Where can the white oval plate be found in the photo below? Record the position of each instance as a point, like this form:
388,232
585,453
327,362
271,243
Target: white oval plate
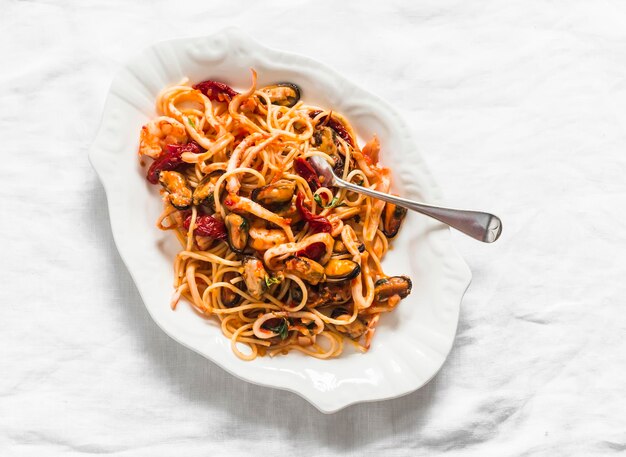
411,343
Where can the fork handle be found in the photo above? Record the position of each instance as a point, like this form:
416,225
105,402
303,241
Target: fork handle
481,226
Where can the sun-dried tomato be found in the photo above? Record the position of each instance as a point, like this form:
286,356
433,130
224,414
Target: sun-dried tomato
216,90
171,159
313,251
316,222
304,169
207,226
335,125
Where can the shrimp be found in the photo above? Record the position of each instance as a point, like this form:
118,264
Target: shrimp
159,132
371,150
263,239
367,159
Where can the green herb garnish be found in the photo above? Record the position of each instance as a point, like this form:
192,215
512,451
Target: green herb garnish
333,204
271,280
282,329
193,124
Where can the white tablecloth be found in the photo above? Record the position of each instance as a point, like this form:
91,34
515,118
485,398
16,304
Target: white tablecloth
519,107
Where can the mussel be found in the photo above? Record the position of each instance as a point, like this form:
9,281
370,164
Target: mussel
335,293
306,269
204,191
262,239
295,293
287,210
339,247
353,329
278,193
386,288
339,166
179,193
283,94
392,219
237,229
325,139
338,312
230,298
254,275
341,270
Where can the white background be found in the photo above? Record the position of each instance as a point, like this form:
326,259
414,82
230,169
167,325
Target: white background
519,107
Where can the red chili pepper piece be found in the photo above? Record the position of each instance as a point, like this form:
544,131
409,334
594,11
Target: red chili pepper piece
192,146
317,223
216,90
313,251
335,125
304,169
207,226
170,159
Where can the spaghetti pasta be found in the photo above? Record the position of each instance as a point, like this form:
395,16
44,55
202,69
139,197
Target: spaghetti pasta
281,260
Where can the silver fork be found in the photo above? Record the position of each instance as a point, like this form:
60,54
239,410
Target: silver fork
482,226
